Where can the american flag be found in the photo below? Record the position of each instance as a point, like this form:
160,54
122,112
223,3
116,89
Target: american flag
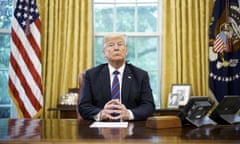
220,43
25,69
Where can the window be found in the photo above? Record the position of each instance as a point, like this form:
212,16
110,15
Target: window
7,108
141,21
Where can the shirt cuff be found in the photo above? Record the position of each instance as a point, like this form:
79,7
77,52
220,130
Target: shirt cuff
97,117
131,115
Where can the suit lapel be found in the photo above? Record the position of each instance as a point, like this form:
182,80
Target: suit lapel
126,84
105,79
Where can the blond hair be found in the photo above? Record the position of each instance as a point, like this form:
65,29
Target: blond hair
111,36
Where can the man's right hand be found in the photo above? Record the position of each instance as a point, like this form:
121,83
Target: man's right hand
114,107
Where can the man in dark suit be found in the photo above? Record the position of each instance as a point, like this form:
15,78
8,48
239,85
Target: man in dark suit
135,101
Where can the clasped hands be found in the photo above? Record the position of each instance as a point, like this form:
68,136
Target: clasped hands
114,110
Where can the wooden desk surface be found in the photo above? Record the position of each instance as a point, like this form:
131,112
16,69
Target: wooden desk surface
65,131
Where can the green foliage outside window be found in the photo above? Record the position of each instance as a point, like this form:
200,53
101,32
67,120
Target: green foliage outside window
6,11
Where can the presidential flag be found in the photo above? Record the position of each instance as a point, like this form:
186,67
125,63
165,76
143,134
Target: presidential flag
224,49
25,69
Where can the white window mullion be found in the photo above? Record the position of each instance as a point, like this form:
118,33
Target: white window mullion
115,17
136,19
5,31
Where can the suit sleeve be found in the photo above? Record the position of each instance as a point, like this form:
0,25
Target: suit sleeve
86,109
145,104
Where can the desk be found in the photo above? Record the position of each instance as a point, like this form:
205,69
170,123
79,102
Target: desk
65,131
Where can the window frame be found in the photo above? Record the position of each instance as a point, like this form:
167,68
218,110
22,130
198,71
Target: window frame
158,33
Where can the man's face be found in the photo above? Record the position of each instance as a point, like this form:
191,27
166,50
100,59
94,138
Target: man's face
115,50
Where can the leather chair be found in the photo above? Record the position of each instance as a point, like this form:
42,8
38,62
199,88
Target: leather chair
80,82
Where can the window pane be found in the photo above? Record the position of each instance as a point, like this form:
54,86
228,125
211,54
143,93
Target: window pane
5,112
4,98
125,18
142,51
7,109
131,50
147,54
6,8
154,81
98,51
147,18
103,17
4,50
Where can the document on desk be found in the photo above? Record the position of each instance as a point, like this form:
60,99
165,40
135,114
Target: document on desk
109,125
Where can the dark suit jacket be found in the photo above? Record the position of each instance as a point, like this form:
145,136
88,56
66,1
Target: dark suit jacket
136,92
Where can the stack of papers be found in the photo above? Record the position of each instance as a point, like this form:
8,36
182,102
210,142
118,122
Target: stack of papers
109,125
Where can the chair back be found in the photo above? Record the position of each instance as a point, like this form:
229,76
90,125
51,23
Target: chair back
80,83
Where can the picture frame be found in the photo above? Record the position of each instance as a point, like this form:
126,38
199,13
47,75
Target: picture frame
173,100
183,91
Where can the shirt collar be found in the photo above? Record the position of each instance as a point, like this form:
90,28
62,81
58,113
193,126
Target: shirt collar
120,70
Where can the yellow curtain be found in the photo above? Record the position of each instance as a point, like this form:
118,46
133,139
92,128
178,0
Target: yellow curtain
185,45
66,46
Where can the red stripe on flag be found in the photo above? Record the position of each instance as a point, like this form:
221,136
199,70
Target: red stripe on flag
34,46
27,60
18,99
25,84
32,40
38,24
